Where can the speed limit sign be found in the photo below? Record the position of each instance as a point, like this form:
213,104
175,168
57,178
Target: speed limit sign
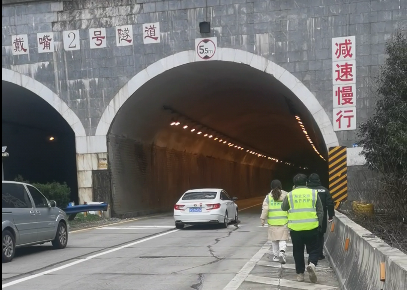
206,49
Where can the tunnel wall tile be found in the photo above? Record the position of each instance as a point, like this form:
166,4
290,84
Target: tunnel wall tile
148,178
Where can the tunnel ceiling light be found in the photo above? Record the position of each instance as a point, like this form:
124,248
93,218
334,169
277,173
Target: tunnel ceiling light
308,138
205,132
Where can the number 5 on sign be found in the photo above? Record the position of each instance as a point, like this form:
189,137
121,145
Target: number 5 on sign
71,40
206,49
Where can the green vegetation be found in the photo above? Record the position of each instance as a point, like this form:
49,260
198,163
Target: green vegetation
384,135
60,192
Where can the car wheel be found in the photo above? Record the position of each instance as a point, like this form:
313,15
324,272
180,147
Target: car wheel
61,238
179,226
9,246
225,221
236,220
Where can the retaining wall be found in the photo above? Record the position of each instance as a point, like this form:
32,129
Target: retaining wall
358,267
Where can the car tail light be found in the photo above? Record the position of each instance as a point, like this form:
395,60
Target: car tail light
178,206
213,206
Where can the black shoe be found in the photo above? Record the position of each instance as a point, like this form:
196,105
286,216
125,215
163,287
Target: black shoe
321,257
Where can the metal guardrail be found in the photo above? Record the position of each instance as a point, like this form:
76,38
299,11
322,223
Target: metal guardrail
73,210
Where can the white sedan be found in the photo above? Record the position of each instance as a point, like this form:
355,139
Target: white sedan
205,206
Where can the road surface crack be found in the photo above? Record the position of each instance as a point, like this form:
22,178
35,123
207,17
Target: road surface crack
212,252
199,285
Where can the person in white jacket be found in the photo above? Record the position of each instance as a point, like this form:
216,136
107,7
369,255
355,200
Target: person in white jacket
277,221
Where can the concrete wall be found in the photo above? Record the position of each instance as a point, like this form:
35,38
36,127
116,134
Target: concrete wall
148,179
359,266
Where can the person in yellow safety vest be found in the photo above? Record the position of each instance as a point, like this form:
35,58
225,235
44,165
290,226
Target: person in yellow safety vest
277,221
305,215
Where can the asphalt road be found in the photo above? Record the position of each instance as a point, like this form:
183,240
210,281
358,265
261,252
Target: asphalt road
144,254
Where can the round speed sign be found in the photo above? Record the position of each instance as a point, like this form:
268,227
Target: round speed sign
206,49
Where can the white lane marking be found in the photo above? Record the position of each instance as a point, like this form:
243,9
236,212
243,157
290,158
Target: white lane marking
247,268
288,283
83,260
125,228
168,227
136,228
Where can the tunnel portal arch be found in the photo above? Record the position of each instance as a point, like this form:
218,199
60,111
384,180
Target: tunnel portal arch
227,55
134,155
47,95
19,92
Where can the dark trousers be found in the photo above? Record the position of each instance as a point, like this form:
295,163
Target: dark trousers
321,244
302,239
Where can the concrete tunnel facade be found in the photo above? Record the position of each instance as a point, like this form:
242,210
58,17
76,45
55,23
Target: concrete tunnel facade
274,63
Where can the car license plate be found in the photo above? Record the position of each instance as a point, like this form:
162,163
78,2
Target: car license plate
195,209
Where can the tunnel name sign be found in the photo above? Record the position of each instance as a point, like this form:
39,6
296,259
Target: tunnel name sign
206,49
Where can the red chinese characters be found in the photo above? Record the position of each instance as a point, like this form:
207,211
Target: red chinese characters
345,119
20,44
45,42
344,83
344,72
97,37
344,95
151,33
344,49
124,35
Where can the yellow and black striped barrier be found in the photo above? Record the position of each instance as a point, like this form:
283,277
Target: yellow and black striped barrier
338,169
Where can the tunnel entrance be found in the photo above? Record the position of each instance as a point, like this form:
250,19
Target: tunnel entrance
213,124
40,142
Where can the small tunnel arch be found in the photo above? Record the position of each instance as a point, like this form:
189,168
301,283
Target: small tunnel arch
39,131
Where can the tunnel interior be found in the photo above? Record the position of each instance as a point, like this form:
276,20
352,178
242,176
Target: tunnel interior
209,125
40,143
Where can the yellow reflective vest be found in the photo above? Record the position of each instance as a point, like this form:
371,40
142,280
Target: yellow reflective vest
276,217
302,215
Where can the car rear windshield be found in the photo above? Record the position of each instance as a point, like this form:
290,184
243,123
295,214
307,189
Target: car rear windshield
199,195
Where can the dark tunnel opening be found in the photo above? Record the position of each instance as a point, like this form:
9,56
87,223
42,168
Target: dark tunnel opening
213,124
40,143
